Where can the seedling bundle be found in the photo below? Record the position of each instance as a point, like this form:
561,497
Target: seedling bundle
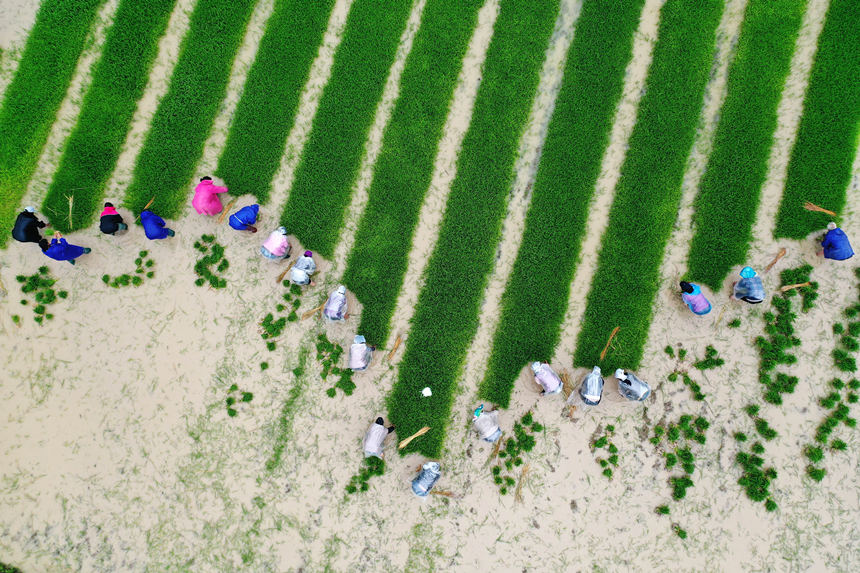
605,442
236,397
144,267
39,286
213,255
371,466
511,456
329,354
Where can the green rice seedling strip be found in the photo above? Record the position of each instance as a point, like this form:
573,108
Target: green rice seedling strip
730,189
820,166
332,156
270,100
184,117
649,190
569,167
404,168
446,315
118,82
32,99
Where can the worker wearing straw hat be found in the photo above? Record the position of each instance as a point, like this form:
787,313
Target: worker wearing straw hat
835,244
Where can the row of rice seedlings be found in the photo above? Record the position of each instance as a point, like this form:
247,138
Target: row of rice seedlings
570,164
710,361
332,156
604,442
213,255
511,456
755,477
636,235
118,82
729,192
446,315
370,467
329,353
32,99
235,397
144,267
404,168
283,430
270,98
40,286
821,160
272,327
675,441
174,143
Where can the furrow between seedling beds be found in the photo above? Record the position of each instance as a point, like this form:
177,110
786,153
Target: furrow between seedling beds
446,312
729,194
31,101
269,103
821,161
569,167
118,82
648,193
184,117
332,156
378,260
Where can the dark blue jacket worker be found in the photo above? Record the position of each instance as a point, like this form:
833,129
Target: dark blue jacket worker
154,226
835,244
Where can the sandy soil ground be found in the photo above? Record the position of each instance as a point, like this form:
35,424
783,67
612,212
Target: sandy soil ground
119,454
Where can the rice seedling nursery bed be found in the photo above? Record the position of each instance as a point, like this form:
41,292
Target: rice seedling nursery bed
726,205
404,167
627,276
332,156
822,157
31,101
118,82
270,98
570,163
446,312
184,117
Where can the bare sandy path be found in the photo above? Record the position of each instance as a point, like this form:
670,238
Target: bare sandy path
16,19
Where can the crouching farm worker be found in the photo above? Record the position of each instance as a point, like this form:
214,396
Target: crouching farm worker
61,250
426,479
547,378
375,436
276,246
749,288
835,244
27,225
591,390
487,424
244,218
360,354
692,296
206,201
336,306
110,221
301,272
631,387
154,226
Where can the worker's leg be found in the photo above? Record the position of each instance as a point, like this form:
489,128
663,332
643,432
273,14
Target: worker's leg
390,429
380,421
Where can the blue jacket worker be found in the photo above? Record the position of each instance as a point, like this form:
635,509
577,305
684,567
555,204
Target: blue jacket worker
154,226
835,244
244,218
61,250
749,288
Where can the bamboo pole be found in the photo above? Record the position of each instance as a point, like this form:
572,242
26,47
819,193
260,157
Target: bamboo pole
396,346
225,211
496,447
313,311
420,432
286,270
813,207
779,255
151,201
566,385
787,288
611,336
445,493
518,495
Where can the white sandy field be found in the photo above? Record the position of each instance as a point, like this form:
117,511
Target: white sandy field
118,453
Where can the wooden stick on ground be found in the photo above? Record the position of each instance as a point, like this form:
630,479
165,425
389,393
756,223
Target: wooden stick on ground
313,311
420,432
394,349
286,270
566,386
611,336
720,317
226,211
445,493
518,495
495,451
813,207
151,201
71,199
779,255
787,288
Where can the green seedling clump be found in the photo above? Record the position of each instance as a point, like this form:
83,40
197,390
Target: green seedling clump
371,466
734,323
827,135
182,122
143,268
654,166
234,398
40,285
329,353
604,442
119,79
447,309
511,455
710,361
213,255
